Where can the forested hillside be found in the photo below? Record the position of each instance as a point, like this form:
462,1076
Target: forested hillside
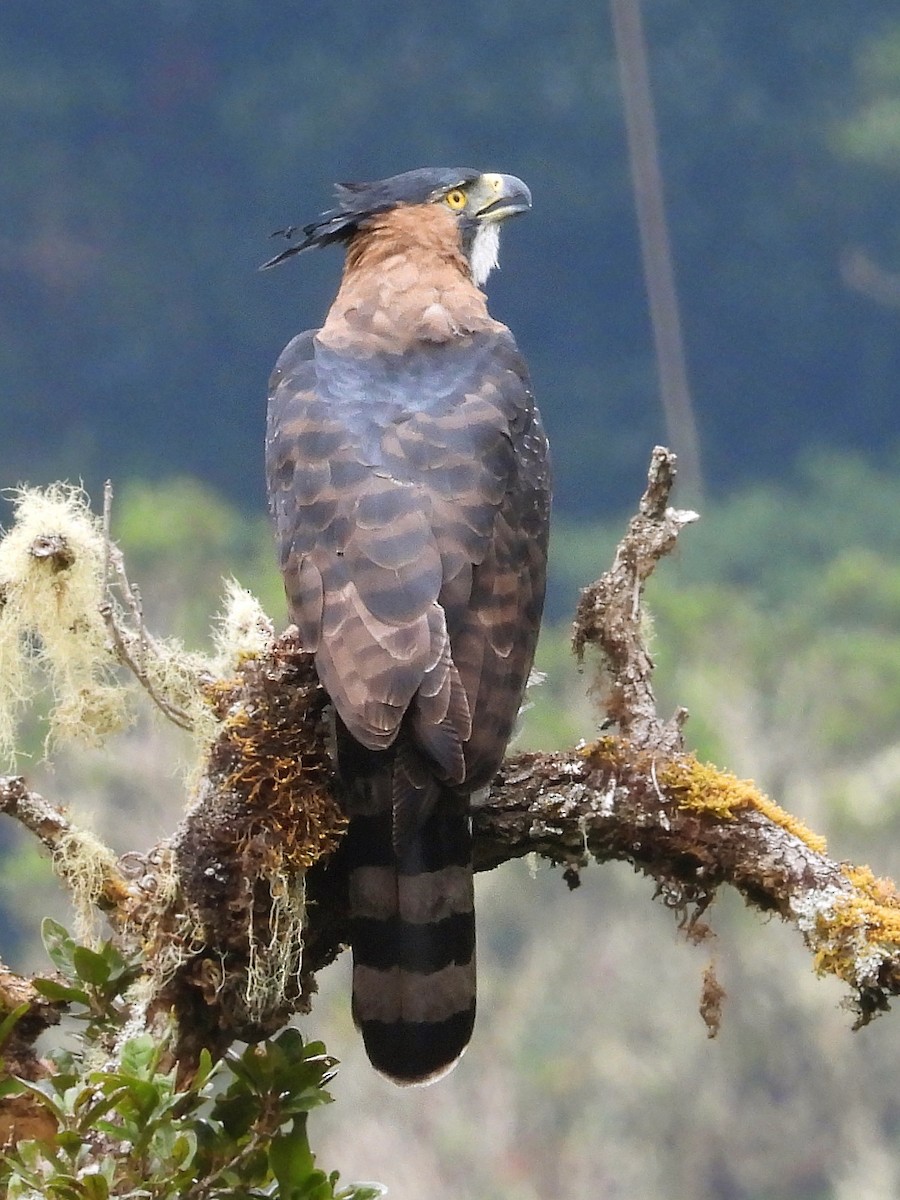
147,151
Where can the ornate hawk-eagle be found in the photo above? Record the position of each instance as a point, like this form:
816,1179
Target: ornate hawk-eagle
408,479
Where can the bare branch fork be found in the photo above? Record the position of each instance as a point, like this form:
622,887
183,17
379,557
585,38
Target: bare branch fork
245,902
127,631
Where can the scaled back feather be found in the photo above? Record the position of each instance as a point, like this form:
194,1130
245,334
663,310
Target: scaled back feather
409,484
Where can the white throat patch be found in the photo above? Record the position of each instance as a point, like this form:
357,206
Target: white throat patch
485,251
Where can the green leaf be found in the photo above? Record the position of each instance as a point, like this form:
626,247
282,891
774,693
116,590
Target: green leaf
290,1041
205,1066
90,966
94,1187
291,1159
10,1020
317,1187
237,1112
120,970
184,1148
59,944
247,1068
52,989
92,1112
44,1098
304,1101
68,1140
361,1191
138,1095
30,1156
139,1056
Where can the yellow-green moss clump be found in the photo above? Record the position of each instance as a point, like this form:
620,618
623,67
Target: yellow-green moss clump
61,625
88,867
52,588
706,788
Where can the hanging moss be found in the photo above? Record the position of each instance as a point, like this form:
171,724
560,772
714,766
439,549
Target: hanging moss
52,576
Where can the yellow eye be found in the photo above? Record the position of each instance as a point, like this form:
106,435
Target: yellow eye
456,199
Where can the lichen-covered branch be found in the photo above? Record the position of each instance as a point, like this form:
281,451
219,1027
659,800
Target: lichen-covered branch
265,812
131,644
693,829
246,901
82,861
610,613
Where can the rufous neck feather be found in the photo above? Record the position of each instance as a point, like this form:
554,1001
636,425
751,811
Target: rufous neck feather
406,279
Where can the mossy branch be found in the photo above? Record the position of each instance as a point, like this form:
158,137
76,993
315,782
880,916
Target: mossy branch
81,860
610,615
694,829
219,908
129,640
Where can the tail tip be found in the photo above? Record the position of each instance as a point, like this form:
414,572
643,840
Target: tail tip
415,1054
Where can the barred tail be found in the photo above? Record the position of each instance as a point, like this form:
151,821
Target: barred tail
412,922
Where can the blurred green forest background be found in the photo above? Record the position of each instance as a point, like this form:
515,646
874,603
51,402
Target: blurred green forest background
146,151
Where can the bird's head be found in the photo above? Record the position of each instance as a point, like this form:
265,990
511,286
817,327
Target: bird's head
478,201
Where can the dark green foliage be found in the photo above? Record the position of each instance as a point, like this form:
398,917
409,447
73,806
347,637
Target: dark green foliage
94,980
127,1128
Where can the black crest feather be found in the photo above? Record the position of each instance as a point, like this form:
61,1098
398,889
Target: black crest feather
359,202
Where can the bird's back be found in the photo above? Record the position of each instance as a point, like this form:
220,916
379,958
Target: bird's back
409,482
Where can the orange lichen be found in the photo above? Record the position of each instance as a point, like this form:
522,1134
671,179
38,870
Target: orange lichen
881,891
606,753
788,821
706,788
603,746
867,919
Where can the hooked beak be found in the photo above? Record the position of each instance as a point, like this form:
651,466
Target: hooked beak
501,196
